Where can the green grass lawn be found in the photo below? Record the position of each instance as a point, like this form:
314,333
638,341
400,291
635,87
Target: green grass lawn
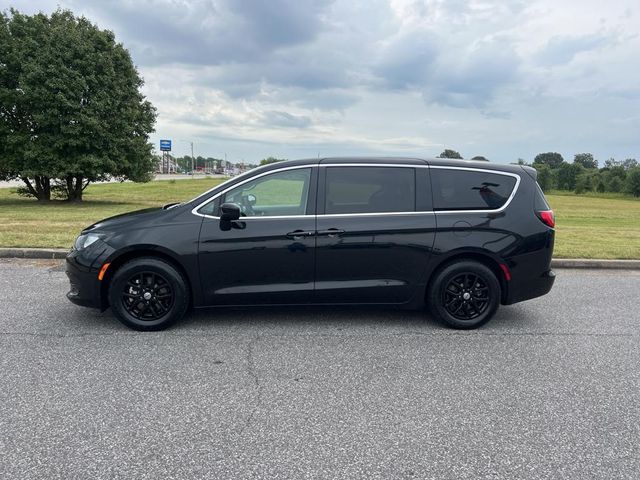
588,226
27,223
594,227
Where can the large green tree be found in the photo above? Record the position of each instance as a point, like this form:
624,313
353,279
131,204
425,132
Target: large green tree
71,110
545,176
633,181
553,159
586,160
448,153
567,175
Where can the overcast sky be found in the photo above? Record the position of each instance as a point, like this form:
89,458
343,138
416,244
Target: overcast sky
299,78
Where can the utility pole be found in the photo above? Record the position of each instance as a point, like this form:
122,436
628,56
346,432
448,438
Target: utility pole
193,160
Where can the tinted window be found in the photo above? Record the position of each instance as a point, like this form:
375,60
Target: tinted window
370,190
280,193
540,203
469,190
211,208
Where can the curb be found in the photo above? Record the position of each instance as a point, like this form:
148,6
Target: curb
595,264
61,253
49,253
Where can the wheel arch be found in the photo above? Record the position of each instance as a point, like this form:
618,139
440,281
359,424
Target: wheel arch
120,257
490,261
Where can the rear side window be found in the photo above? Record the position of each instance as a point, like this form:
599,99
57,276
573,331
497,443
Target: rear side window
469,190
370,190
540,203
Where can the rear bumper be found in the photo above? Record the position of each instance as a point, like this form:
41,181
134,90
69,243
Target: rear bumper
529,288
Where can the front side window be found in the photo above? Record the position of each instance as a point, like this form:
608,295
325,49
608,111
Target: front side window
280,193
369,190
469,190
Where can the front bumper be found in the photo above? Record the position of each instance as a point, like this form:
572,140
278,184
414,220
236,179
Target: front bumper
82,268
85,287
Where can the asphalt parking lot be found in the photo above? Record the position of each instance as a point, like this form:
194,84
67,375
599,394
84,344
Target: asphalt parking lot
549,389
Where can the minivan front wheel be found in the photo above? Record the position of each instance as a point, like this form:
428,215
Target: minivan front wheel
148,294
464,294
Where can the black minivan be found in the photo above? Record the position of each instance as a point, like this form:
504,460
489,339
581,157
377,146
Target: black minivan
461,237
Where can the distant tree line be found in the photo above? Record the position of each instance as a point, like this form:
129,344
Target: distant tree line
187,163
448,153
584,175
580,176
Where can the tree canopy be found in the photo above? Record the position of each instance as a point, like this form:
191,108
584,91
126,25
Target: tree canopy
480,158
633,182
545,176
586,160
71,111
268,160
448,153
553,159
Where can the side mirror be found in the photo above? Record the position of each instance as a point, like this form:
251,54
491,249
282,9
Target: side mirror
229,212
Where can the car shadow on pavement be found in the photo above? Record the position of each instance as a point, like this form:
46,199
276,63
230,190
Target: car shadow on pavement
331,318
307,319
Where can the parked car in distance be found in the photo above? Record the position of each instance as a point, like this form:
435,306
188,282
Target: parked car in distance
460,237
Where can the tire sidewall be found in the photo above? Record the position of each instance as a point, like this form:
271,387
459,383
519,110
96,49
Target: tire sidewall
170,273
443,278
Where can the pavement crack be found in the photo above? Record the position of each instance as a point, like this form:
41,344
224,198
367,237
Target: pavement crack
251,370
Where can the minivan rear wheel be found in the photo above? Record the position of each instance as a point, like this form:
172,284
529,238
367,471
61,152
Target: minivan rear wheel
148,294
464,294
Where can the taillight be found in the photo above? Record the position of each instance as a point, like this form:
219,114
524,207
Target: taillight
547,218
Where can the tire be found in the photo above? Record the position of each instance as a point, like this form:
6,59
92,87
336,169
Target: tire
160,302
464,295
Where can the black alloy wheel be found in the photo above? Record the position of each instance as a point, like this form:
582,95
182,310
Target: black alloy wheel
464,294
148,294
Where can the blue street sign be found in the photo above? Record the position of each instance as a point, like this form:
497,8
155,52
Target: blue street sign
165,145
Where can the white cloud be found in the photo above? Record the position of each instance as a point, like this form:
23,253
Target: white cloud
290,78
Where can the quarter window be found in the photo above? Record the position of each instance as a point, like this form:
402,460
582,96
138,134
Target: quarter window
469,190
369,190
281,193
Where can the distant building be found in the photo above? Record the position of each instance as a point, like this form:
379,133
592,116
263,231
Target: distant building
166,164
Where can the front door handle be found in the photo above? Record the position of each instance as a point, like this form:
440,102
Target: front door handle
331,233
300,234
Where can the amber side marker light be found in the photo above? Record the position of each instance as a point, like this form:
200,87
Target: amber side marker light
103,270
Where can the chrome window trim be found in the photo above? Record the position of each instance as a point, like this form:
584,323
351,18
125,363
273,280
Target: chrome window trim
372,214
337,215
399,165
329,215
253,177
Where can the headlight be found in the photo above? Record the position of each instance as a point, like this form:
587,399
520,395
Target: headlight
83,241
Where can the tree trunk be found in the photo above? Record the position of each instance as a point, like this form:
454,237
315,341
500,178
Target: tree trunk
75,187
40,188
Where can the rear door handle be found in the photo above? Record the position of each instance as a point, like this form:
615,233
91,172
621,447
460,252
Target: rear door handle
331,233
300,234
